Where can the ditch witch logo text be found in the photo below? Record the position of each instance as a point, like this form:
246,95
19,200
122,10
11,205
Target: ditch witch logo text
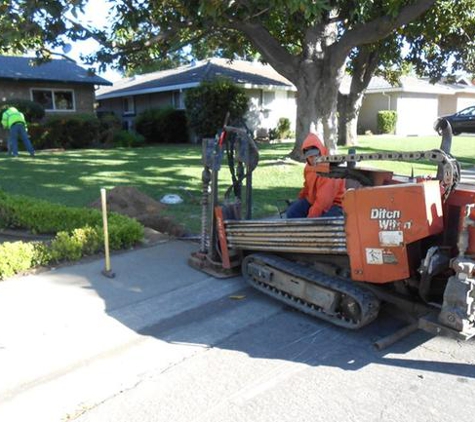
387,219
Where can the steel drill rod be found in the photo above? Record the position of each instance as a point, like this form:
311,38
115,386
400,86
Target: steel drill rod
264,242
276,233
295,229
294,222
387,341
311,250
327,240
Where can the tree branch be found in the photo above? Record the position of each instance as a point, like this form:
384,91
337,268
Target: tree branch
271,49
378,28
365,63
168,34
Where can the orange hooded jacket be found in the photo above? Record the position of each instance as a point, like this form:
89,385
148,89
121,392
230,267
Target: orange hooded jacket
321,192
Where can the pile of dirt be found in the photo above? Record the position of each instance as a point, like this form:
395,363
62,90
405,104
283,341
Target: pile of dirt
130,201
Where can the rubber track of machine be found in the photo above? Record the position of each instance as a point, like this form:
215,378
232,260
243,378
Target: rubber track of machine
367,301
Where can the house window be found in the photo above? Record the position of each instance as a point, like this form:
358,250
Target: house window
268,98
54,99
128,105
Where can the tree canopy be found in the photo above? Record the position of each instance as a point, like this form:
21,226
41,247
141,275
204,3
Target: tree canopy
39,25
443,41
310,42
436,45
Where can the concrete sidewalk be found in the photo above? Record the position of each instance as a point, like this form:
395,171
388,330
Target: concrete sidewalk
163,342
59,327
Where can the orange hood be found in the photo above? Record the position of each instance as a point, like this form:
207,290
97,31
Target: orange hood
313,141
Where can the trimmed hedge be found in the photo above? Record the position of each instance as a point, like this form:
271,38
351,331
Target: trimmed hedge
32,110
163,125
387,121
16,257
79,232
69,132
124,138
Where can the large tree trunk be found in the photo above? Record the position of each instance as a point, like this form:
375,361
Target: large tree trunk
349,106
363,67
317,71
317,96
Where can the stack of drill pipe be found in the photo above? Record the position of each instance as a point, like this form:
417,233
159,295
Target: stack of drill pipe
306,235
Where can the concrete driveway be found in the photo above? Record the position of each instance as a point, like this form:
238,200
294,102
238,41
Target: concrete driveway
164,342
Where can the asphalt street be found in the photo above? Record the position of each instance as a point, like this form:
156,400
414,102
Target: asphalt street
164,342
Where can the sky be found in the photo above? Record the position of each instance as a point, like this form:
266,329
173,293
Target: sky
95,14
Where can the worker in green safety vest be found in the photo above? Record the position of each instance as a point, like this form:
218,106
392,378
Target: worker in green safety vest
14,121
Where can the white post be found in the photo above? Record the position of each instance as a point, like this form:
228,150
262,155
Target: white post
107,269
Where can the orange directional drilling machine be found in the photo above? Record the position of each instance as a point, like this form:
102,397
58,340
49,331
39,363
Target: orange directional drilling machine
403,241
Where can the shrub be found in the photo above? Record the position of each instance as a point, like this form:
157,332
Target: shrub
273,134
77,131
41,254
44,217
147,125
79,232
33,111
208,104
124,138
15,257
282,131
175,128
37,133
387,121
91,239
72,246
283,128
163,125
65,247
109,125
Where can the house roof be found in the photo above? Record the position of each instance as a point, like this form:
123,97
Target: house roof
411,84
248,74
256,75
56,70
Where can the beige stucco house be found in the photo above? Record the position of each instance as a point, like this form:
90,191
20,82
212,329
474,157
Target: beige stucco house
417,102
271,95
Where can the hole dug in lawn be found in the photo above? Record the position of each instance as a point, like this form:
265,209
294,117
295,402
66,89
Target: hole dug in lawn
129,201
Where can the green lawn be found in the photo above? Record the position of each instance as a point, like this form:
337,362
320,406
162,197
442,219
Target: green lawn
76,177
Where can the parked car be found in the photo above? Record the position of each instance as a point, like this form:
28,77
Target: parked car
462,121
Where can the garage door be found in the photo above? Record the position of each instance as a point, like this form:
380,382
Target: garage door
416,115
